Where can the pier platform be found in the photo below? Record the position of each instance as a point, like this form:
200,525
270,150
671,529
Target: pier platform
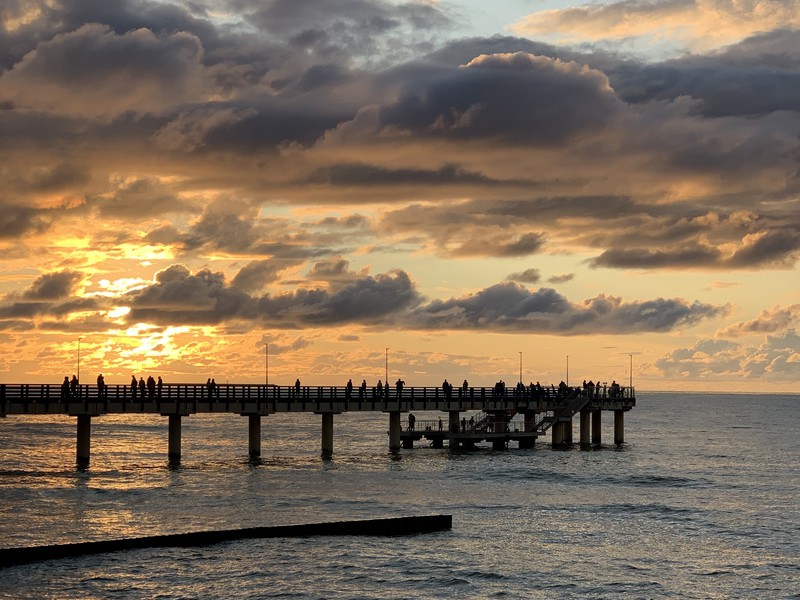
542,410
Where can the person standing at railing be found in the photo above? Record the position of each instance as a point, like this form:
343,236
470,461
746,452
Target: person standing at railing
412,420
399,385
297,388
73,387
362,391
133,386
101,386
348,389
160,385
65,387
142,388
379,387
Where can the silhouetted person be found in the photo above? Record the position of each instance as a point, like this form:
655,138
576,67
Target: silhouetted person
101,386
73,386
380,388
297,388
446,389
160,385
399,385
142,388
214,387
440,423
209,387
362,391
133,386
348,389
464,388
463,425
65,387
151,386
472,423
412,420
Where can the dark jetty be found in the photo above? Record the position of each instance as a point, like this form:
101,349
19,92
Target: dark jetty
376,527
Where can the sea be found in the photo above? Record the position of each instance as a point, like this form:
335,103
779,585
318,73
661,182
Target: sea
702,501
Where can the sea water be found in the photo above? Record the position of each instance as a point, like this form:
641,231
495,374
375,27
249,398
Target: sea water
702,501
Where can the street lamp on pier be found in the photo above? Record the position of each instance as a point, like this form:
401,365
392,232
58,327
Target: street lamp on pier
567,370
386,369
520,367
79,359
266,363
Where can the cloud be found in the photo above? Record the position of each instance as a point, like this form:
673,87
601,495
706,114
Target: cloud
89,72
17,221
179,297
258,273
775,359
770,320
53,286
695,24
517,98
51,294
526,276
512,308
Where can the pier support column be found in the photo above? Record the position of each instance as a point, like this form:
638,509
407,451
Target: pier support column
254,435
584,427
84,441
454,426
327,435
174,444
528,426
597,426
557,432
499,427
619,427
453,422
394,431
567,431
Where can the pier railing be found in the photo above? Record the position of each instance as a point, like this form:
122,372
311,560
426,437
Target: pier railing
230,391
264,399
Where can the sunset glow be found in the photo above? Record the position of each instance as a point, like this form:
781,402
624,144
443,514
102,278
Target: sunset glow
197,189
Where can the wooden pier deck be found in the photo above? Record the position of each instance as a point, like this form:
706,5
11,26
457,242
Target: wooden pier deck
543,409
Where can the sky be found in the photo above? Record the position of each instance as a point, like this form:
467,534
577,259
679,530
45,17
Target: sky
327,190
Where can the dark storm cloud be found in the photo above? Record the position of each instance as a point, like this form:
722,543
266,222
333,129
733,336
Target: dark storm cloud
512,308
57,74
140,198
60,16
179,297
519,98
767,248
50,294
365,174
756,76
502,245
53,286
526,276
17,221
258,273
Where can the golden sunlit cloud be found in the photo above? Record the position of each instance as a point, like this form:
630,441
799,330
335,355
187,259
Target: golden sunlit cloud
699,25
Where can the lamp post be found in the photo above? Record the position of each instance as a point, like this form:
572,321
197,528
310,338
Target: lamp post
79,360
386,369
567,370
520,367
630,385
266,364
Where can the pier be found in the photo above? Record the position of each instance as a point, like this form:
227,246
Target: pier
521,414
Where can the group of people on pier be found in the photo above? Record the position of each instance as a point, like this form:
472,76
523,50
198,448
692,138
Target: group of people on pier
147,389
